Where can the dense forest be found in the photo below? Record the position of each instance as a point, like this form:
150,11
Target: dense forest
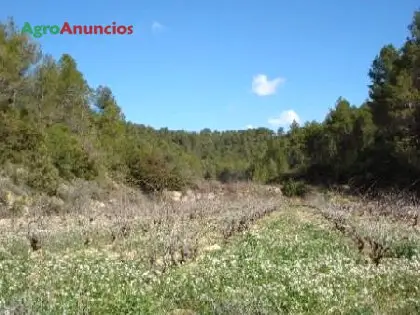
54,127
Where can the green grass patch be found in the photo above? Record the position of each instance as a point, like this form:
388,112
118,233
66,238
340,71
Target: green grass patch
290,266
286,265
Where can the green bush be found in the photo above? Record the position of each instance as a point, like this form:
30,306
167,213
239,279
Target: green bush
43,176
152,173
293,188
67,154
404,249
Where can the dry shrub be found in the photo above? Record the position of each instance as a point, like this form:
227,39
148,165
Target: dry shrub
164,234
380,228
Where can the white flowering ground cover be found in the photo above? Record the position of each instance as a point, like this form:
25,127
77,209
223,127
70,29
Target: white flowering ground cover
293,266
291,262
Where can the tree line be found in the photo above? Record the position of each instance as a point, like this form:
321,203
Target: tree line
58,128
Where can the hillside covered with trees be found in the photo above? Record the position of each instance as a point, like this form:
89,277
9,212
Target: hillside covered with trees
57,127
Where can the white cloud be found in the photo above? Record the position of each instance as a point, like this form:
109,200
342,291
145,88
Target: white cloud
157,27
262,86
285,119
250,127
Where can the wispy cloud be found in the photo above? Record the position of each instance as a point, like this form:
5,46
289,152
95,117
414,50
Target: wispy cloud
250,127
285,119
262,86
157,27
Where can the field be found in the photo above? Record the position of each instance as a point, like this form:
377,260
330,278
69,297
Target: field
260,253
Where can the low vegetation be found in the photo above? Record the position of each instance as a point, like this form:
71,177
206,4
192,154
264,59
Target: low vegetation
262,253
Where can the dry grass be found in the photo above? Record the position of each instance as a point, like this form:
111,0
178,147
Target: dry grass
382,227
131,247
168,233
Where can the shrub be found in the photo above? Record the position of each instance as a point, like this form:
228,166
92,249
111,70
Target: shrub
152,173
404,249
229,176
44,177
68,155
293,188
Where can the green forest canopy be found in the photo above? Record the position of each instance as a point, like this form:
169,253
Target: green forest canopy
60,128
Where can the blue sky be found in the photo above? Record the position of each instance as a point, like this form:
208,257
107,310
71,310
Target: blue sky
197,69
